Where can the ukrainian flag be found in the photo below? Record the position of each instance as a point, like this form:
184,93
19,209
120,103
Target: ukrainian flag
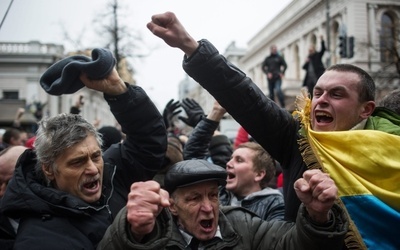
365,165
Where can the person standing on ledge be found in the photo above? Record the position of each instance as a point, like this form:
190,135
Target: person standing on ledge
313,66
274,66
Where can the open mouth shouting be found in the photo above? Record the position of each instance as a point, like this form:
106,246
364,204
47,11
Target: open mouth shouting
92,186
230,176
207,225
230,180
322,119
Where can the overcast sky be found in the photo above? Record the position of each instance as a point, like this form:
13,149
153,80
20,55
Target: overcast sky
220,21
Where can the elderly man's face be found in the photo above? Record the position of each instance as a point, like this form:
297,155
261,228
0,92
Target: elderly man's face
197,209
80,170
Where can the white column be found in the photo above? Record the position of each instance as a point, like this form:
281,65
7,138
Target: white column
372,32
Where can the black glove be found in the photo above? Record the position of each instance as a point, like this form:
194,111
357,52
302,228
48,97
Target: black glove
170,111
193,110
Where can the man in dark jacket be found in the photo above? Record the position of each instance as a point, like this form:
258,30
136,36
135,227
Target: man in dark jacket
343,105
66,192
274,66
194,219
314,66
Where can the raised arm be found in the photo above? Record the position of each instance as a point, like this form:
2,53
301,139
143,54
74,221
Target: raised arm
323,48
140,120
141,154
197,147
171,110
167,27
274,128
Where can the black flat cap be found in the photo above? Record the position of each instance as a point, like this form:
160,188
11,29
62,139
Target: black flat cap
189,172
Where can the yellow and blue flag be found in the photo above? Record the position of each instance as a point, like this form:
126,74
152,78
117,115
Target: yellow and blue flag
365,164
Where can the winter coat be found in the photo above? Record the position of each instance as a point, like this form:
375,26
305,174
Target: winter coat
7,233
240,229
274,64
273,128
316,61
267,203
53,219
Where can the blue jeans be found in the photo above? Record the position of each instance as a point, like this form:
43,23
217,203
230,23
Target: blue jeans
276,85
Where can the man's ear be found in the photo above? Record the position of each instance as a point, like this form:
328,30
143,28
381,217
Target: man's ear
259,175
369,108
48,172
172,207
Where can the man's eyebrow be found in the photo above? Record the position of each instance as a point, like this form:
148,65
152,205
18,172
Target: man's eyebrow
75,159
334,88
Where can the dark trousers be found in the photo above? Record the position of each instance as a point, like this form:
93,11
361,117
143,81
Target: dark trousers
276,85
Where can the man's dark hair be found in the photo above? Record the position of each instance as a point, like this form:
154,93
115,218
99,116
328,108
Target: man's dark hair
9,134
367,85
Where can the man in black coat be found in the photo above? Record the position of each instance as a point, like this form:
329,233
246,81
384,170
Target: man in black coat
313,66
274,66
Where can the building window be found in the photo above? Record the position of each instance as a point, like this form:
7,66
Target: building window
10,95
387,38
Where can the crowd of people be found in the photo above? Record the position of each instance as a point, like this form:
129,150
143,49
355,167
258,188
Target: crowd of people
313,179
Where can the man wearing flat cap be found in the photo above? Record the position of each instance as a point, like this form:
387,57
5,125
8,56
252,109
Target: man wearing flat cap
187,215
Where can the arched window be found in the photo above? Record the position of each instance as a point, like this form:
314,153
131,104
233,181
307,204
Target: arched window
387,38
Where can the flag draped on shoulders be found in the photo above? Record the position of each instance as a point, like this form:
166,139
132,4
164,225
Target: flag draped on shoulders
365,165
